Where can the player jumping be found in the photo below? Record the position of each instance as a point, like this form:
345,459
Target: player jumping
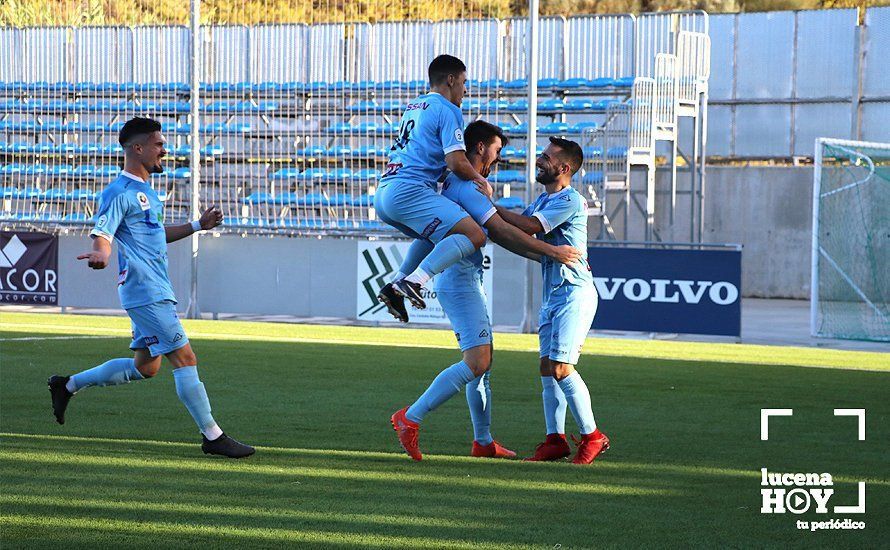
460,292
131,213
430,140
559,216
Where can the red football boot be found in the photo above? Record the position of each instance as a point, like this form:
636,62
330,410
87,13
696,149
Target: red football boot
590,446
554,447
492,450
407,431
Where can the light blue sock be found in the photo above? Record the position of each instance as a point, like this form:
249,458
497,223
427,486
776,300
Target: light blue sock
578,398
449,251
449,382
418,250
554,406
109,373
479,400
191,392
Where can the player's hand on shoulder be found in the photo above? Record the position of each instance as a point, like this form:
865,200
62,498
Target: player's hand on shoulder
566,254
96,260
484,187
211,218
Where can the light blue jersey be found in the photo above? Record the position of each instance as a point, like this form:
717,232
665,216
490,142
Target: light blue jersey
131,213
465,275
431,128
564,218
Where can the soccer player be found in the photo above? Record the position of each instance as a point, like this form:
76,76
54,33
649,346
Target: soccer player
430,140
131,213
559,216
460,292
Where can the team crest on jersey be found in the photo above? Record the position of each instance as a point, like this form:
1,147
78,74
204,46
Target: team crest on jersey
103,219
143,200
458,135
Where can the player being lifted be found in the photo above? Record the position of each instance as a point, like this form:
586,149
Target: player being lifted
131,213
430,140
460,292
559,216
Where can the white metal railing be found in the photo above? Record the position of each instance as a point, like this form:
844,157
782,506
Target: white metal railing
641,148
665,104
694,58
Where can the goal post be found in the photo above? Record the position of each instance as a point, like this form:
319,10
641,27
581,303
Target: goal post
850,279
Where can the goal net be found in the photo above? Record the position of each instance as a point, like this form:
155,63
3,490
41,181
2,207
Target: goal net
851,241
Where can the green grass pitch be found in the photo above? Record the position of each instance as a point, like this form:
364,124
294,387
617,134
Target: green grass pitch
126,469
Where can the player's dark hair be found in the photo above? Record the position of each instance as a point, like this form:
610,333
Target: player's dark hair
443,66
482,132
136,127
570,152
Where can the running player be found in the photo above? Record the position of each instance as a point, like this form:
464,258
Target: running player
559,216
460,292
131,213
430,140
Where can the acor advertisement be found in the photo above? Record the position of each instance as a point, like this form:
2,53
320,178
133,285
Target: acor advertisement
29,264
379,261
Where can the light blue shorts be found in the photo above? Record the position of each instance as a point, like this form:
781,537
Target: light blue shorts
416,209
565,321
157,327
468,313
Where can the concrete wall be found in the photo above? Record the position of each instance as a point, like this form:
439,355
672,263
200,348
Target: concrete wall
767,210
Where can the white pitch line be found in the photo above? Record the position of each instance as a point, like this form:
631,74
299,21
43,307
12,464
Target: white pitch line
256,338
34,338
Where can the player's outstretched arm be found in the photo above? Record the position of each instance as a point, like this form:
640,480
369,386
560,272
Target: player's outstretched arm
526,224
209,219
97,258
459,164
517,242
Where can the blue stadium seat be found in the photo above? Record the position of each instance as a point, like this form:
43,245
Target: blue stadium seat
181,173
551,105
84,171
520,105
497,105
582,127
84,195
317,86
365,106
258,198
592,177
338,175
592,152
340,199
285,174
553,129
340,128
14,168
314,151
339,151
26,193
34,169
110,149
507,176
363,200
516,84
602,82
55,194
59,170
285,199
107,171
604,104
364,85
293,86
510,152
417,86
370,151
387,130
366,175
313,199
471,105
574,83
392,106
616,152
548,83
578,105
226,128
7,192
491,84
313,174
510,202
341,86
267,87
389,85
178,107
76,217
625,82
368,128
519,130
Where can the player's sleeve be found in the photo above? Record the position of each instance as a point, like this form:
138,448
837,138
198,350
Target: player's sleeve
557,211
451,130
476,204
112,210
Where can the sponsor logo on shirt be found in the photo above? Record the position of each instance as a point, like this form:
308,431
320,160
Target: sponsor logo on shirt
414,106
143,200
431,228
151,340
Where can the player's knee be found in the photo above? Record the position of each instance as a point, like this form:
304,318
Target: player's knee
545,368
479,365
149,369
183,357
562,370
